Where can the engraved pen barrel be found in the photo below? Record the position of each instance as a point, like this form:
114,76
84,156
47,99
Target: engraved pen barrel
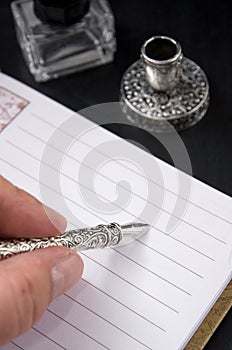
100,236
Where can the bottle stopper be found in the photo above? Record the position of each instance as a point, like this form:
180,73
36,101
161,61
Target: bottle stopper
61,11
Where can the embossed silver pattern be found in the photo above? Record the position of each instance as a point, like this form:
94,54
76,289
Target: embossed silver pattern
80,239
180,107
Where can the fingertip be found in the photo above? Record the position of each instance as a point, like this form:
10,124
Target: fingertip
58,221
66,272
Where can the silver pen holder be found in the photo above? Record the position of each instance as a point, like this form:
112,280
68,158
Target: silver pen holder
164,90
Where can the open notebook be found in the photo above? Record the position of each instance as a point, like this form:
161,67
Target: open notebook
150,294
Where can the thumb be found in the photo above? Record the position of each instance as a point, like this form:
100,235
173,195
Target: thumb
29,282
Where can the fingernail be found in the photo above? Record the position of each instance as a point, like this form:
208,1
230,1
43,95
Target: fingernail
57,219
65,273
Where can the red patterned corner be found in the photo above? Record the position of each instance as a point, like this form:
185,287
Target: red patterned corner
11,105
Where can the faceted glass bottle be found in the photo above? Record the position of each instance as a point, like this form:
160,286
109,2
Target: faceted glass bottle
55,49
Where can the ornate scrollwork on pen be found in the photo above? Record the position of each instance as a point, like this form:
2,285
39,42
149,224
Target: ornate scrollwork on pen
88,238
97,237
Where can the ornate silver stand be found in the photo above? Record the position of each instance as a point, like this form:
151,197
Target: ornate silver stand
164,89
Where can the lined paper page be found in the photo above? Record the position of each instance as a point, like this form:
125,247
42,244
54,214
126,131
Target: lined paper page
150,294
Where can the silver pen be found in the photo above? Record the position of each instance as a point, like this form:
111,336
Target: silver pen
100,236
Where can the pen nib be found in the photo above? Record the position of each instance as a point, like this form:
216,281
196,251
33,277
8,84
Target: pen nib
134,230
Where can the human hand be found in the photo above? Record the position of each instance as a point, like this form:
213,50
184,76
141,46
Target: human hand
28,282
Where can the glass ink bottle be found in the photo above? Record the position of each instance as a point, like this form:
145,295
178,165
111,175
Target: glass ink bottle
59,37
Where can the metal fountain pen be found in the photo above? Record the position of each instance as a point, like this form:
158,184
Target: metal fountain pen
100,236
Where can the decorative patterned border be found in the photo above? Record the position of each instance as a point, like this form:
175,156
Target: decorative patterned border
212,320
11,105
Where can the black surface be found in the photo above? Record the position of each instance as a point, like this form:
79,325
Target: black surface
204,30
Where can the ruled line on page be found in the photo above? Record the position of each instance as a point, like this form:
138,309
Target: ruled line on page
109,322
153,273
76,328
167,257
70,178
75,203
136,286
137,173
135,194
16,345
46,336
130,283
122,304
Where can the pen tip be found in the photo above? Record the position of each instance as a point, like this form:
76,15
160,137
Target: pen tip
135,229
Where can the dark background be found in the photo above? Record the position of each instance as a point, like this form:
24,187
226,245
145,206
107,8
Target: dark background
204,30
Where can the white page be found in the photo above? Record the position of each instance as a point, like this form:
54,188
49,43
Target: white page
151,294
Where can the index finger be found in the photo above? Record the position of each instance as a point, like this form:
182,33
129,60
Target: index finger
22,215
